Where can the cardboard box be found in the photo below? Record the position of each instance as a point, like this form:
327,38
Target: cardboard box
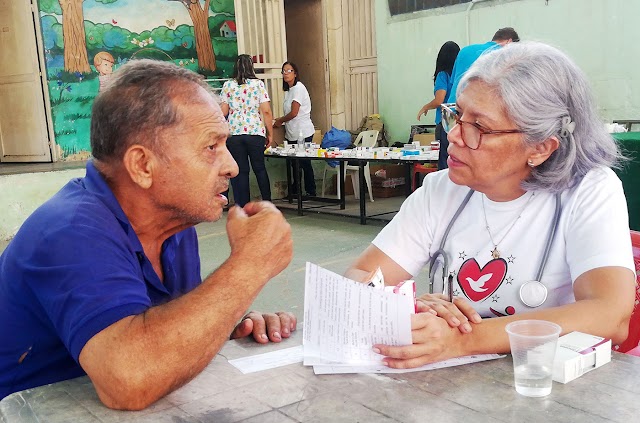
278,135
387,181
579,353
317,137
425,139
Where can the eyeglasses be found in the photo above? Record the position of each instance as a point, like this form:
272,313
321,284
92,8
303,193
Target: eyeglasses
284,72
470,132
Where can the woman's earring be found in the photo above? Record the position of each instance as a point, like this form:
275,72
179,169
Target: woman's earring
530,163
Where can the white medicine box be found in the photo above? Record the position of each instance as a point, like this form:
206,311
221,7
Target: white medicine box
579,353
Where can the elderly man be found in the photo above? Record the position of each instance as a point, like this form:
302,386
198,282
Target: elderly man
104,278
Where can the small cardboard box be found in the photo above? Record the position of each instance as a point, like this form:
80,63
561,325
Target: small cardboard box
579,353
425,139
387,181
317,137
278,135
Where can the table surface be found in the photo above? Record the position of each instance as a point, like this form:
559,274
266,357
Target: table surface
479,392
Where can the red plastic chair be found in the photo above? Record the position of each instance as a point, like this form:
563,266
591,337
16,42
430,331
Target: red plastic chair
633,340
420,169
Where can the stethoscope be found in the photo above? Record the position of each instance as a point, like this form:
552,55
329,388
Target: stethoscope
532,293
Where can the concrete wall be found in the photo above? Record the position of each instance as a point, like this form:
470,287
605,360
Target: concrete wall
23,193
601,36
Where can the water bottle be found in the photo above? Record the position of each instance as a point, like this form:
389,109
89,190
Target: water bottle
300,141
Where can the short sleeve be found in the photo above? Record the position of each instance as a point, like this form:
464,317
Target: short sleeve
86,278
225,94
408,237
299,94
598,232
442,82
262,92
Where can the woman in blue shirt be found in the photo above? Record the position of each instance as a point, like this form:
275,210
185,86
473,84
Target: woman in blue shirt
442,86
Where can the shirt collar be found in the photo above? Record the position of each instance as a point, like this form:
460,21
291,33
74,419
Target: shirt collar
96,184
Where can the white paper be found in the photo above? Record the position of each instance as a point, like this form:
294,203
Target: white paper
270,360
337,368
343,319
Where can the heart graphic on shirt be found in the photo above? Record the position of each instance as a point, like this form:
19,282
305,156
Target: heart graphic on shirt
479,283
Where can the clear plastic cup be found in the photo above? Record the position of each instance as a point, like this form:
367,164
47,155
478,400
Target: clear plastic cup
533,347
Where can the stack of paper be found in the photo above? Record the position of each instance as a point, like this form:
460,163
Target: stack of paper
343,319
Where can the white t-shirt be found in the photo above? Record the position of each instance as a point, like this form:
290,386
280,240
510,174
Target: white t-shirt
593,231
302,122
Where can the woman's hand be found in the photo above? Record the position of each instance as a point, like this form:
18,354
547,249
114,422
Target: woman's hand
266,327
269,140
458,314
433,340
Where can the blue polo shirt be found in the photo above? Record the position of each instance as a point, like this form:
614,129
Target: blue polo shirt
74,268
466,57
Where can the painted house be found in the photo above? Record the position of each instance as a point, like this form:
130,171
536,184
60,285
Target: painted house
228,29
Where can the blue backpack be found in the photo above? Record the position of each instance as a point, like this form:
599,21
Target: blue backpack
336,138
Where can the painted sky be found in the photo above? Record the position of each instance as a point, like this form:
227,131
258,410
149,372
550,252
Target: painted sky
137,15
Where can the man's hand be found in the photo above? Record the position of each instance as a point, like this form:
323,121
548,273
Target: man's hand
260,238
266,327
457,314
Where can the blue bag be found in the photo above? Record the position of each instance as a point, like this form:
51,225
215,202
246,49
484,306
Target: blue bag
336,138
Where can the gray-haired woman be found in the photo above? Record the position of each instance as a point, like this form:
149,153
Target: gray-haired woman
529,220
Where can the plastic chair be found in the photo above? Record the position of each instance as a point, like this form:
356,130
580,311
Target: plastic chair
324,175
418,173
631,344
364,139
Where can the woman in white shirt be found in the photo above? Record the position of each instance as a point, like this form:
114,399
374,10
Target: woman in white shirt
246,103
297,120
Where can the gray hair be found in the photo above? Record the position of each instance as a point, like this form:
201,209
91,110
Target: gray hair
543,92
137,104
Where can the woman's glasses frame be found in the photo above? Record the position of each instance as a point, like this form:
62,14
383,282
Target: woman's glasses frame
473,139
287,71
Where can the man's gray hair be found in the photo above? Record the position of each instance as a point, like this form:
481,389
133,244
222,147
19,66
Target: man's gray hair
547,95
137,104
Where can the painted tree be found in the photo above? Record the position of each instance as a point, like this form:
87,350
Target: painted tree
75,42
199,14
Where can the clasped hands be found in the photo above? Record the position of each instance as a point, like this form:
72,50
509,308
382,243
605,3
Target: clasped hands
437,330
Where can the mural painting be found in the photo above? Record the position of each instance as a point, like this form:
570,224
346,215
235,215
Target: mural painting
86,40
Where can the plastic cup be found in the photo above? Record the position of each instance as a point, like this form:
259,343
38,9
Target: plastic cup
533,347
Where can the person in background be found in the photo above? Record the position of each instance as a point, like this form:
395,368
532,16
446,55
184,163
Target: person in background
466,57
441,89
529,220
245,102
297,120
104,278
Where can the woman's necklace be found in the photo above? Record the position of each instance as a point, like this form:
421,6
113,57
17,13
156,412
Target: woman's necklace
495,253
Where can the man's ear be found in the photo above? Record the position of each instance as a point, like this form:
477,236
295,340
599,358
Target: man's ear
139,163
543,150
